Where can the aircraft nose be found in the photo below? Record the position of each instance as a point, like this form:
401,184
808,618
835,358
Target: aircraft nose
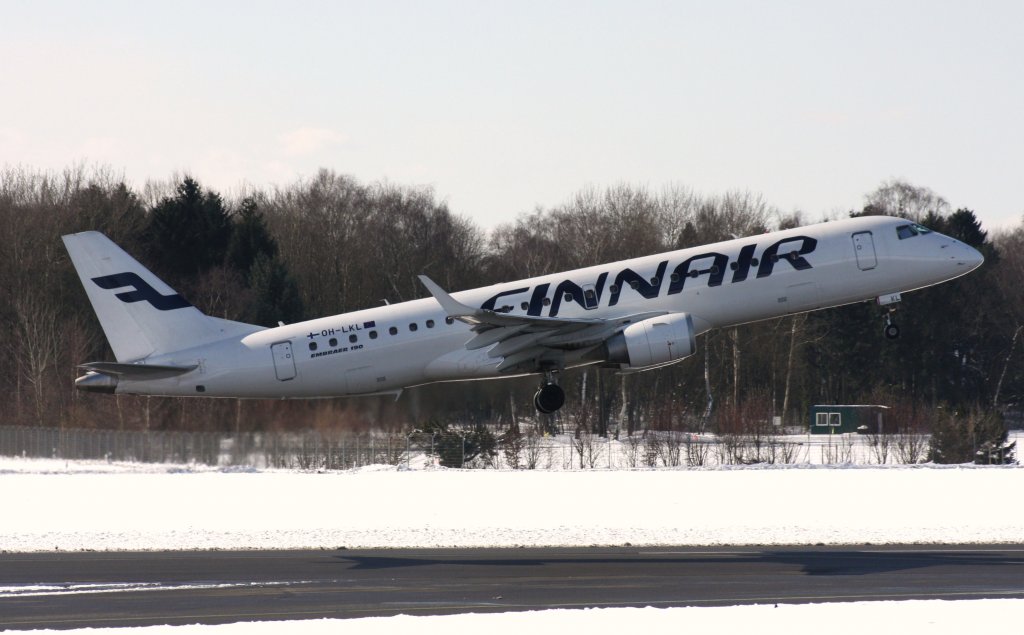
955,257
961,256
969,257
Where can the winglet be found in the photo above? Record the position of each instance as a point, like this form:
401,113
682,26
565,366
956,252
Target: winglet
451,306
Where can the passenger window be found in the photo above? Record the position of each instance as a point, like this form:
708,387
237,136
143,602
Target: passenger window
393,330
413,327
312,346
655,281
353,338
373,335
547,302
674,277
614,288
568,297
634,284
589,293
524,306
430,324
449,320
333,342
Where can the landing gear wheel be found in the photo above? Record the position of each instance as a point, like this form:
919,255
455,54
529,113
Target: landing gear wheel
892,331
549,398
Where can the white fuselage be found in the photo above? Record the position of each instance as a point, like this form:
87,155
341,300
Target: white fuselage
387,348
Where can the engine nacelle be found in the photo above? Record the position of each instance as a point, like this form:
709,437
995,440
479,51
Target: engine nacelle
653,342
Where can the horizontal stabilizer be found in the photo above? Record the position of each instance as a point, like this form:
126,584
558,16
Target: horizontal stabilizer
137,371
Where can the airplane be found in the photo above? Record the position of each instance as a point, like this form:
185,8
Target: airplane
633,315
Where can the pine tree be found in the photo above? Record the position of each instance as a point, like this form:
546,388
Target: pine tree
971,437
249,239
188,233
458,449
276,295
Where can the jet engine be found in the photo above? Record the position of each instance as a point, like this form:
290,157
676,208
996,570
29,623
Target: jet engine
653,342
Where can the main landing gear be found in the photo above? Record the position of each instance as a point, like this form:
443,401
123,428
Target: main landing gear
550,397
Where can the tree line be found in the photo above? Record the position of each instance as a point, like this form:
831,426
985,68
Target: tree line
331,244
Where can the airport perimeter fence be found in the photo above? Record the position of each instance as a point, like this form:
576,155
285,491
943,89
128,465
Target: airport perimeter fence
290,450
315,450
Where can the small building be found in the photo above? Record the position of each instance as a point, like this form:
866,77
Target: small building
836,419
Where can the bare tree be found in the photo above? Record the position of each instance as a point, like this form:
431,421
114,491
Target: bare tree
899,198
38,343
513,445
538,455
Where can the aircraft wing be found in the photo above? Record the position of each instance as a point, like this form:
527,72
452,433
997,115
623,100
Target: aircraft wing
530,343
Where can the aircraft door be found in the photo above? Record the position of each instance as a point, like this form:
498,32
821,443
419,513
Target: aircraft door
864,248
284,361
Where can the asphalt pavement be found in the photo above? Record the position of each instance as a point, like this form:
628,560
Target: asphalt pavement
64,590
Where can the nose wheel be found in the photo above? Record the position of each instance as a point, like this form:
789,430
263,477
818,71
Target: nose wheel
550,397
891,330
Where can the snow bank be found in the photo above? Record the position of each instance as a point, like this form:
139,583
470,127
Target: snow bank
927,616
168,507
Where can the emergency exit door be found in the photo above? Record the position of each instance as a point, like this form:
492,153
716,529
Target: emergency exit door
284,362
864,248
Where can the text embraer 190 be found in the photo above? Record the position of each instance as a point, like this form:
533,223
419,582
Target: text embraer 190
632,315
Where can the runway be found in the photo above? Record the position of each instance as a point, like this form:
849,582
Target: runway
65,590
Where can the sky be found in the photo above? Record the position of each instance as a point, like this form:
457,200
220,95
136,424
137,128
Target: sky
502,107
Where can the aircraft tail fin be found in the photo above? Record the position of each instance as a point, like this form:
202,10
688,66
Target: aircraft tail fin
140,315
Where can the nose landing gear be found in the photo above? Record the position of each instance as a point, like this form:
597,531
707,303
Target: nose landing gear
892,330
889,301
550,397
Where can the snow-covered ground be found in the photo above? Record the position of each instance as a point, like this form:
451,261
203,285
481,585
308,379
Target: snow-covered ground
934,617
57,505
49,505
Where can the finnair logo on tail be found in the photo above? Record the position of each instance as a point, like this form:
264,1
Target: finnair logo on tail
142,291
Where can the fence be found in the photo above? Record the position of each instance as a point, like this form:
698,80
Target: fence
314,450
304,450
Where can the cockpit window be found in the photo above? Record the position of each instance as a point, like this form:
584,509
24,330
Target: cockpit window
909,231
